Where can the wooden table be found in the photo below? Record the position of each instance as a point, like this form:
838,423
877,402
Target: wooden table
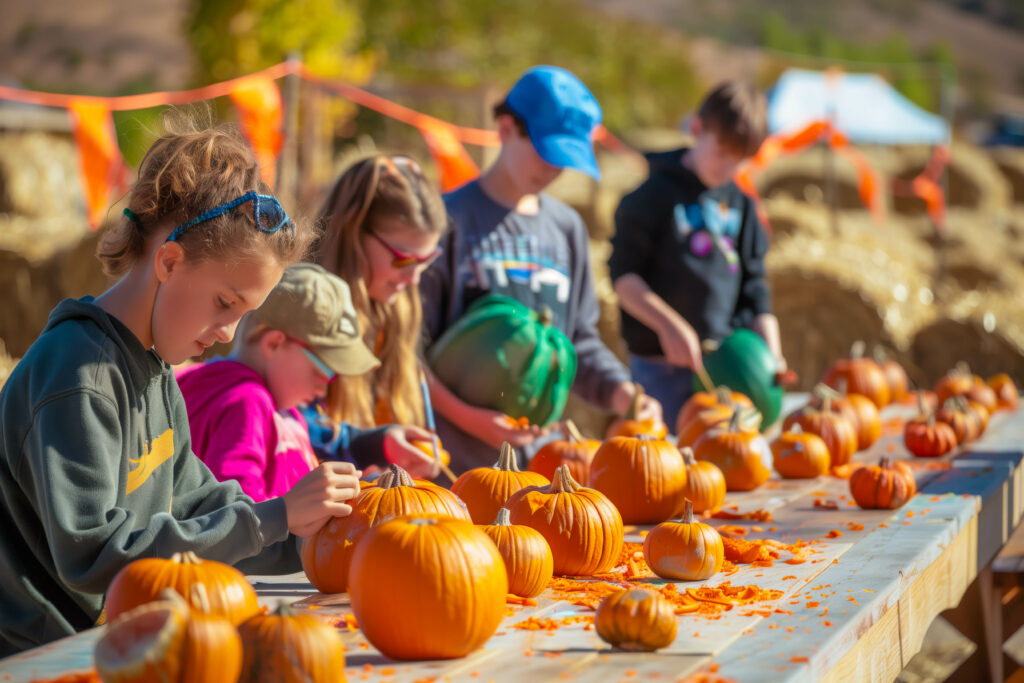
882,586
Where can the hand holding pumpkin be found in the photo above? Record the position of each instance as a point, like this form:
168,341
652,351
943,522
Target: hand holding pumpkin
320,495
647,408
400,448
494,428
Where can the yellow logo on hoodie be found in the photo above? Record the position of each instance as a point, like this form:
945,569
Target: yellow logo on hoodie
153,456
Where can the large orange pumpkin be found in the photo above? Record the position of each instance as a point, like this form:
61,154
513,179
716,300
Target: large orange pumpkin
743,455
427,587
835,430
800,455
702,400
583,527
485,489
705,483
644,477
230,594
631,426
285,647
575,451
1007,396
888,485
684,549
636,619
862,375
527,555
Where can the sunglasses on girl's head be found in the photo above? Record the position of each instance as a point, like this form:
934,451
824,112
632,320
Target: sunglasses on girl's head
267,213
402,259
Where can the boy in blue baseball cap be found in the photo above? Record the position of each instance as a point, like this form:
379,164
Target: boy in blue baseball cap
512,240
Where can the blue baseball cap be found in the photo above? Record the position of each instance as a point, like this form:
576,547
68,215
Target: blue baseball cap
560,115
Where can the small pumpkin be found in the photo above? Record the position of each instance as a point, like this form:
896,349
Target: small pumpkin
527,555
957,382
926,437
895,376
427,587
703,400
629,425
863,376
957,414
705,483
428,449
742,454
835,429
983,413
644,477
862,413
230,594
887,485
800,455
285,647
636,619
583,527
684,549
716,417
1007,396
485,489
575,451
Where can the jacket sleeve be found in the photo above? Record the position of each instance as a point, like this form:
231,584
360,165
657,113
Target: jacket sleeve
238,448
633,244
362,447
755,295
68,466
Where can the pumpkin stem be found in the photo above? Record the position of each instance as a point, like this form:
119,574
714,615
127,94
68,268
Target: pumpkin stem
734,421
962,368
843,386
880,355
709,346
545,316
503,518
200,598
187,557
724,395
563,482
885,463
394,477
688,457
920,404
688,512
634,405
284,610
827,394
507,459
573,432
857,349
797,429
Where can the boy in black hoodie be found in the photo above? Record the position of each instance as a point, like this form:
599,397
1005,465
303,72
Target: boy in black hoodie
688,251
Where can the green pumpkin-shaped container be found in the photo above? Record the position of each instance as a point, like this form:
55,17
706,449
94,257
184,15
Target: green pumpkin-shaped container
502,355
743,363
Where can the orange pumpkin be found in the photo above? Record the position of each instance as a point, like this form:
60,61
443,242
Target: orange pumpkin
705,483
230,594
643,476
743,455
285,647
862,375
427,587
715,417
1007,396
983,413
800,455
956,382
957,414
485,489
887,485
636,619
684,549
583,527
631,426
835,430
702,400
575,451
895,376
926,437
428,449
862,413
527,556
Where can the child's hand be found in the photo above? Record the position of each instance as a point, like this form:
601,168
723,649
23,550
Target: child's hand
398,448
320,495
681,344
622,399
494,428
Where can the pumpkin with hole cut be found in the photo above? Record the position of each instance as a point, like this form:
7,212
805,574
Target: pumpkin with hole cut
644,477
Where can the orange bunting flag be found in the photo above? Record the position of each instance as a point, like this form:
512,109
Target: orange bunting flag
456,166
261,114
99,157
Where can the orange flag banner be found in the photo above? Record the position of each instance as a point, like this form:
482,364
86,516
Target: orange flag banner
456,166
99,158
261,114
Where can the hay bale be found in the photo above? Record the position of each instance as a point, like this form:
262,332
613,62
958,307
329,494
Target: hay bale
1010,162
974,180
942,344
39,175
7,363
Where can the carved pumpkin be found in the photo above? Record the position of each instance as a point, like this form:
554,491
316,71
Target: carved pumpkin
636,619
230,594
743,455
926,437
705,483
485,489
702,400
527,556
888,485
631,426
644,477
285,647
684,549
801,455
583,527
1007,396
575,451
862,375
427,587
957,414
834,429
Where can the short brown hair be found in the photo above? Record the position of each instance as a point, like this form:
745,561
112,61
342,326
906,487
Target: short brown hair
737,113
502,109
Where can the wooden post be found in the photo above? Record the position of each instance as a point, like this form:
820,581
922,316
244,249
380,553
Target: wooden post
287,161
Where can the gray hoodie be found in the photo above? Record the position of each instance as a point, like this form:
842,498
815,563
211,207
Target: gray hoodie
97,470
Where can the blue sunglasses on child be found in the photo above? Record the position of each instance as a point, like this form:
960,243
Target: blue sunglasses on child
268,214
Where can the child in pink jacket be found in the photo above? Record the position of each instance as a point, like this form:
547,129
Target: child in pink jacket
242,411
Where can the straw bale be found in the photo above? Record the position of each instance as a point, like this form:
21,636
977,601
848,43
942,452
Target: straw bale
1010,162
39,175
7,363
974,180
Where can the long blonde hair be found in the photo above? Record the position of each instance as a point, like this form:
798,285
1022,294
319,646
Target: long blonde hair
380,187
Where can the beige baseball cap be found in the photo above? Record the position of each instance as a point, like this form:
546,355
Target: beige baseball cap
315,306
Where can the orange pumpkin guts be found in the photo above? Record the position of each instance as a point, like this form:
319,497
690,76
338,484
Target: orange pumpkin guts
863,376
485,489
636,619
684,549
702,400
705,483
800,455
285,647
644,477
742,454
887,485
583,527
427,587
527,556
575,451
631,426
834,429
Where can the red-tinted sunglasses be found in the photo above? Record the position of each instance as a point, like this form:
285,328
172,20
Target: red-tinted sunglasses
404,260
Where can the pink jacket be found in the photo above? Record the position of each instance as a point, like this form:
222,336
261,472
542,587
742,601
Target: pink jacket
238,432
